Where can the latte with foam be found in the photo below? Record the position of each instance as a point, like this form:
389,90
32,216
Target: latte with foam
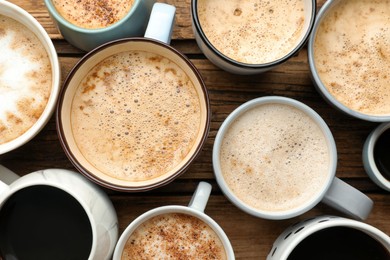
25,79
252,31
136,116
352,55
274,157
174,236
93,14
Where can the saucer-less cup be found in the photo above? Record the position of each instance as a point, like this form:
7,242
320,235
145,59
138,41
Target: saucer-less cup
294,237
227,20
371,159
195,208
352,74
332,191
69,196
15,12
132,24
157,35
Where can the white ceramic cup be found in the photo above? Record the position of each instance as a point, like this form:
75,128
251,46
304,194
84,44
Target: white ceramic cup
319,85
20,15
334,192
94,201
195,208
236,67
295,234
368,157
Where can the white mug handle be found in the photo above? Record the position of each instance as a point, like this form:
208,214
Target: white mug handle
348,200
201,196
161,22
6,178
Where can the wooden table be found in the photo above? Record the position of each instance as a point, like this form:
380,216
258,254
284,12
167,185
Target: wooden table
251,237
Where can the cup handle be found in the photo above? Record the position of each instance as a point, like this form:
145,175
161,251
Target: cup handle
348,200
161,22
201,196
6,178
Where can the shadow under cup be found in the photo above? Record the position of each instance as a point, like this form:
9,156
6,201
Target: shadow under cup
64,122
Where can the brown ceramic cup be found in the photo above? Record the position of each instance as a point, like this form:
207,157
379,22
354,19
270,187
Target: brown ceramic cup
134,113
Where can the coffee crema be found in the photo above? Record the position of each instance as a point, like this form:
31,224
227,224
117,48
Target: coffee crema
274,157
352,55
135,116
25,79
252,32
174,236
93,14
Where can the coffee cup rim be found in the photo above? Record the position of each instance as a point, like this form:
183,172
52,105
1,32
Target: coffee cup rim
258,66
275,215
59,18
20,15
199,146
172,209
297,233
318,82
368,156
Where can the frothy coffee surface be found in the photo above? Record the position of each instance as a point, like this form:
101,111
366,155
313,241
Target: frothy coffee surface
25,79
93,14
252,31
274,157
352,55
135,116
174,236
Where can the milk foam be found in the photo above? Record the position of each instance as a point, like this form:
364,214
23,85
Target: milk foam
135,116
252,31
352,55
93,14
25,79
274,158
174,236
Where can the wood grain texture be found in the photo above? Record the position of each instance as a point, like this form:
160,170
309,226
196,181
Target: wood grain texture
251,237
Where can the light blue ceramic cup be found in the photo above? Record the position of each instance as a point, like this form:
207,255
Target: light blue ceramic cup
133,24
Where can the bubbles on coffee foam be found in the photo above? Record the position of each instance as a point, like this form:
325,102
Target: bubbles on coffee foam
274,157
93,14
148,114
174,236
352,55
253,32
25,79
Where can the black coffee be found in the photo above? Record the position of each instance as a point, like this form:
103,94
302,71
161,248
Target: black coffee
382,154
45,223
339,243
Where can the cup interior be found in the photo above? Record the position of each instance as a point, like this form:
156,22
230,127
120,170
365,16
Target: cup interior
76,76
309,12
48,199
294,235
323,13
20,15
369,161
60,19
278,214
169,210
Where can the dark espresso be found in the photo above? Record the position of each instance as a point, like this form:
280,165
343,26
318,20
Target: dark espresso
382,154
339,243
45,223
